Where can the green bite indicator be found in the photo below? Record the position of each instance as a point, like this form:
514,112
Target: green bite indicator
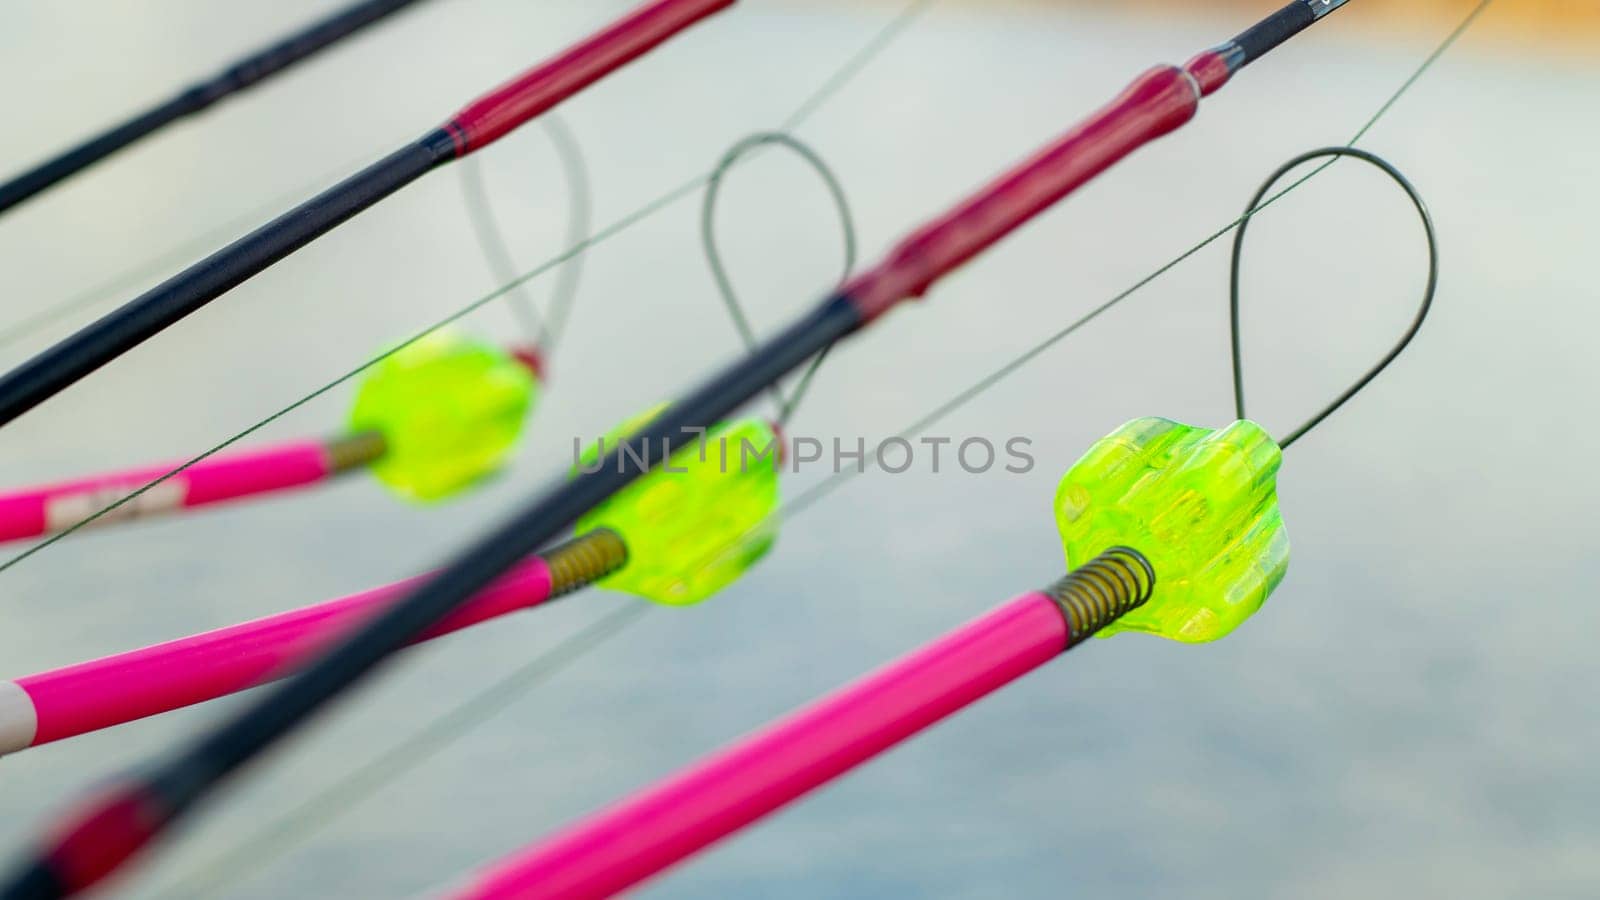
1201,505
450,410
698,523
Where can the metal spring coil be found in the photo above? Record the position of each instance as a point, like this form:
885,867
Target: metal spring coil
584,560
1100,591
354,450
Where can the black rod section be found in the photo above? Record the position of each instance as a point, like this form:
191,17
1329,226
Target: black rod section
1287,22
246,72
121,330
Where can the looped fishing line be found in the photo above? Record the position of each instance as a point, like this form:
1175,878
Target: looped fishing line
719,271
1238,253
543,332
449,728
808,107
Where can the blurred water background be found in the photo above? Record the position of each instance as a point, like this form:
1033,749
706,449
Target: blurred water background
1412,714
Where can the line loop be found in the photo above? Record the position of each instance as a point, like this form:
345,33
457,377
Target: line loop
1254,206
719,270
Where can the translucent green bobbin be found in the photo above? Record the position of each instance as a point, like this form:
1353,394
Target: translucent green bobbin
450,410
699,522
1200,504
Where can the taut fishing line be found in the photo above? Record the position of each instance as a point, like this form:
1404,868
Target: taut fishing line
366,781
809,106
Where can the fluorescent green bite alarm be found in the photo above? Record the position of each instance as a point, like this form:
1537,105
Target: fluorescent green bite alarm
698,522
449,410
1201,505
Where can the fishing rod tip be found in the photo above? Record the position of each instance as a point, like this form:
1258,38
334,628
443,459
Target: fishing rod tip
1320,8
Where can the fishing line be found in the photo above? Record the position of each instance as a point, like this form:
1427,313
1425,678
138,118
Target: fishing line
543,332
719,271
1405,339
808,107
368,780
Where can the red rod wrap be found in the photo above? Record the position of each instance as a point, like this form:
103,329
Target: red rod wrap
103,834
491,116
1158,102
1210,71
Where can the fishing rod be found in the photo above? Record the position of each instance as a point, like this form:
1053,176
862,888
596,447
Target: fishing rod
241,74
91,696
1211,547
478,124
435,418
722,507
112,828
646,833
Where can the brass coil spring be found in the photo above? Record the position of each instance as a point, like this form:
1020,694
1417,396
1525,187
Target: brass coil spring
355,450
1100,591
584,560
